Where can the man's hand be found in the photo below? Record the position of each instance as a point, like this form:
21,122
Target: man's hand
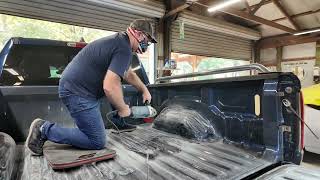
146,96
134,80
125,111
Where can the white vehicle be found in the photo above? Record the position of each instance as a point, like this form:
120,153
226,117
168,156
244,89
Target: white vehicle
312,118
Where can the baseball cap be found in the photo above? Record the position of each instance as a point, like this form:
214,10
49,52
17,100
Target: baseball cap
144,26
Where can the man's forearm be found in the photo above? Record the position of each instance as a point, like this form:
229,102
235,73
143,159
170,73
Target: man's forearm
133,79
115,96
113,90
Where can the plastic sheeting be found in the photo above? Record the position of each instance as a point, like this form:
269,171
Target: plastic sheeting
193,121
7,156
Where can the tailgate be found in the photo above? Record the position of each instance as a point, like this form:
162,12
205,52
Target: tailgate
292,172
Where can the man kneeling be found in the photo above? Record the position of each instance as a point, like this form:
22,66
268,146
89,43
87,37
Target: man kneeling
97,70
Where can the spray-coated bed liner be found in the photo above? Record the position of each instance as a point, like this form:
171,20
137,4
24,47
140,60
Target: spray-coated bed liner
170,157
291,172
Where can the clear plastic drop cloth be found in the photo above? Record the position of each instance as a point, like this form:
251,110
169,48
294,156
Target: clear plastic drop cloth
188,122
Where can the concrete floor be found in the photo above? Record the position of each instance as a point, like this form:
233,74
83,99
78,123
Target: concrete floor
311,160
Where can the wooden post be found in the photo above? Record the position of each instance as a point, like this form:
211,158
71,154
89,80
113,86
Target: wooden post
256,56
256,53
279,58
318,54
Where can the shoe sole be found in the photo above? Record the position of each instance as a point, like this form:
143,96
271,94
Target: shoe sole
29,135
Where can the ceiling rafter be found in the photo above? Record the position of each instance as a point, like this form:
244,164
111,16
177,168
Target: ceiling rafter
258,19
176,10
257,7
286,14
286,40
252,17
180,8
248,6
298,15
265,2
293,16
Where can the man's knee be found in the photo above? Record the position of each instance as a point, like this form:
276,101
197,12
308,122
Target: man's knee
100,142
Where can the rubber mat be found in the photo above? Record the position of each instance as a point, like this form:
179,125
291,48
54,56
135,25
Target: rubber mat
63,156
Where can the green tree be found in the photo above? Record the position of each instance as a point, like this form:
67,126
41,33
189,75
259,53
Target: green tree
208,64
12,26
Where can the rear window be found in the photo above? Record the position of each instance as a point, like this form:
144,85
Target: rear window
36,65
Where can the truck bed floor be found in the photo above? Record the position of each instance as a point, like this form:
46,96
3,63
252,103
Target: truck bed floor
169,157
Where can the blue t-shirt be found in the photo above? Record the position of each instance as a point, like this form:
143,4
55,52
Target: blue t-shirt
84,75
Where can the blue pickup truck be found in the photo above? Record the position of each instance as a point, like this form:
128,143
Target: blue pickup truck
230,128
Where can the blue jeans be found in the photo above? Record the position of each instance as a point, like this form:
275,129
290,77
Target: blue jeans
90,134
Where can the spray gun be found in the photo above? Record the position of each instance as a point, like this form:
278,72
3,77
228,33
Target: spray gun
145,111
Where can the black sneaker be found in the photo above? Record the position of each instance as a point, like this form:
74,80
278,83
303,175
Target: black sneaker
124,128
34,140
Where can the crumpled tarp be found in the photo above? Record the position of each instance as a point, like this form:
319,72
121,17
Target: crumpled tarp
186,121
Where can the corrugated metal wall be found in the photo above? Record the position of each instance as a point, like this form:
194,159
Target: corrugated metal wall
112,15
199,41
217,25
212,37
206,38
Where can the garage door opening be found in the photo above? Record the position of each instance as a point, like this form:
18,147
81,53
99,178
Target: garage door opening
13,26
187,63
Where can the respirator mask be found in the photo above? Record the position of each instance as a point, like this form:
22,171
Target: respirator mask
143,44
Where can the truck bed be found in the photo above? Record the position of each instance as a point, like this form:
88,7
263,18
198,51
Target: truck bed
243,120
291,172
170,157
